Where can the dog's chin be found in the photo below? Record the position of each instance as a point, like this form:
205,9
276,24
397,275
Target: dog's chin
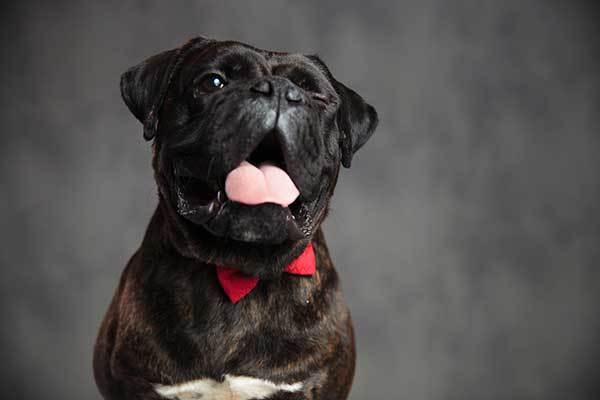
258,224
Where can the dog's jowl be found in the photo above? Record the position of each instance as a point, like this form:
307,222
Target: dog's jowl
232,293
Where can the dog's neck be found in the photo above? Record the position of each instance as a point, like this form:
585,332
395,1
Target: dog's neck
165,236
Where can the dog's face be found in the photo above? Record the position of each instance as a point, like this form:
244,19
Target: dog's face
248,145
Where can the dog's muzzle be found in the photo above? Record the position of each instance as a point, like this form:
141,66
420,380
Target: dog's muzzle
264,190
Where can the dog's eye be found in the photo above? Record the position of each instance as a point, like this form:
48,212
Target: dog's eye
310,86
211,83
304,84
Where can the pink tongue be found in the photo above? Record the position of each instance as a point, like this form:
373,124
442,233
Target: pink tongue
266,184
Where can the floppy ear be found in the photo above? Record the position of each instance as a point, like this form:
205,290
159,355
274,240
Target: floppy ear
356,121
145,86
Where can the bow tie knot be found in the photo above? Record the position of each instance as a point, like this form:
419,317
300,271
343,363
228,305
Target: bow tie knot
237,285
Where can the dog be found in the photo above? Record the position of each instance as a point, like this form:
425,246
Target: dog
232,293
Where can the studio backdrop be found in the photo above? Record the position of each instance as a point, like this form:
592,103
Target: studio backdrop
466,233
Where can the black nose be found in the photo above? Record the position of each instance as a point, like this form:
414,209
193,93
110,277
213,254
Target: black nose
293,94
277,86
263,87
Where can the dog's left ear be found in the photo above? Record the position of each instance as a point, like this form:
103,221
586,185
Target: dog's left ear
356,121
144,87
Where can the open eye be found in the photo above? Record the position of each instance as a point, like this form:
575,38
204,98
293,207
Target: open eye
211,83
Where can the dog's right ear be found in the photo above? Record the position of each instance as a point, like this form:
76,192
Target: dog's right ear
145,86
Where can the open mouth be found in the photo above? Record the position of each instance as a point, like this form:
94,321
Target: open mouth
262,178
260,186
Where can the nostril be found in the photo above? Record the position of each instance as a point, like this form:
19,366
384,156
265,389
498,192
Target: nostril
263,87
293,94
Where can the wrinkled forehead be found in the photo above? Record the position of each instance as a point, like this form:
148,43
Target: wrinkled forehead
239,59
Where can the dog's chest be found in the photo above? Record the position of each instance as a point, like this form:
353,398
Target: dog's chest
230,388
218,350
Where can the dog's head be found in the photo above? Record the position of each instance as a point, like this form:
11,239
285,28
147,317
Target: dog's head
248,145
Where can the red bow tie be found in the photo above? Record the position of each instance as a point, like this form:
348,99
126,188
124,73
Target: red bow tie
236,284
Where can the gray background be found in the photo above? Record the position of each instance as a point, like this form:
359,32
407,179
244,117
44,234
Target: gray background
467,232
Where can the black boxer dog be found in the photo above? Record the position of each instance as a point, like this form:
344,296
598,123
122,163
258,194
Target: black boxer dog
232,294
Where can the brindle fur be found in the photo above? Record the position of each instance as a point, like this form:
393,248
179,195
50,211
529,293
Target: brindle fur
169,321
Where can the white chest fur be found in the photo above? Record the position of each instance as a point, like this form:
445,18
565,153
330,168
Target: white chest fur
232,388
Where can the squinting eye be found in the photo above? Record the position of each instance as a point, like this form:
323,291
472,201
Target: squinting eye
303,84
212,83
